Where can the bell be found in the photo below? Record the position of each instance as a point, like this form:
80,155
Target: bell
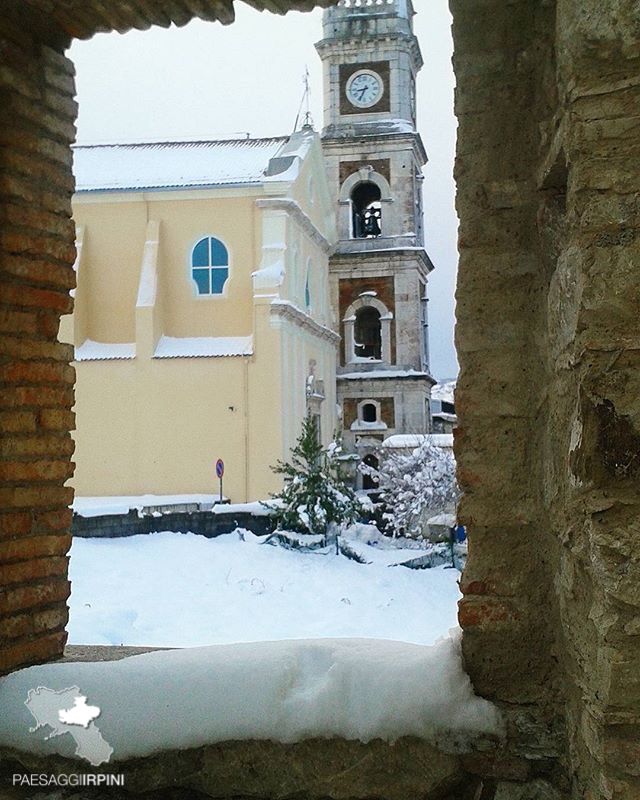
371,226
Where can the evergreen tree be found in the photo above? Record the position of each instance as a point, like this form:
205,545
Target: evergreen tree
315,497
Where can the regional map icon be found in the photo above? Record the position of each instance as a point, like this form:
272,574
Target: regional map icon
67,712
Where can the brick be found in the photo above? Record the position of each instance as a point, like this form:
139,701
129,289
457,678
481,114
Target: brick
20,471
57,60
37,219
38,396
61,103
16,240
472,613
46,593
47,173
61,81
31,141
61,276
36,372
42,445
33,570
57,419
26,113
48,324
25,349
22,625
18,421
31,547
15,523
59,520
27,296
17,321
30,496
32,651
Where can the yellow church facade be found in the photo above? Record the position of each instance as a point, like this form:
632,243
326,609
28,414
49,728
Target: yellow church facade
202,323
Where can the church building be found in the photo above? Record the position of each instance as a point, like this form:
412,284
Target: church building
227,288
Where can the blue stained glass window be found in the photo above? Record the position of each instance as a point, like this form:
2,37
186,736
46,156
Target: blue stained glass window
210,265
218,280
201,277
200,256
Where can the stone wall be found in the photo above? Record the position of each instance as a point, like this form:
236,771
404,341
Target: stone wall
548,396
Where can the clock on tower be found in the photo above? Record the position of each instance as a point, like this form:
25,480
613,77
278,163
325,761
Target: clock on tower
379,271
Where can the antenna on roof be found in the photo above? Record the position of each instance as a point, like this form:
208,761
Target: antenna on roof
305,103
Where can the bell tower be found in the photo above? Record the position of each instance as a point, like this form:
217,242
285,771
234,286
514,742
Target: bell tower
379,271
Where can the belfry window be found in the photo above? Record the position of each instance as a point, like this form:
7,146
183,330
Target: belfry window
368,333
369,413
366,211
210,265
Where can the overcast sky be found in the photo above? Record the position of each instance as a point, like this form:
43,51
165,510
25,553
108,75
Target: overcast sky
207,81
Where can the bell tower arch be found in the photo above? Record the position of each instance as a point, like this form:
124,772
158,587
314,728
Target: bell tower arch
374,155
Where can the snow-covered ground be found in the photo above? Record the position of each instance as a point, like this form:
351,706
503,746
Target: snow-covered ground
183,590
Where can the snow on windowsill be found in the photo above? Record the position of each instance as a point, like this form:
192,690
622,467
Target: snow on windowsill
104,351
203,346
287,691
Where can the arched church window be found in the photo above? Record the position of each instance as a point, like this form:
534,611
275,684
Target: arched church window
210,265
368,333
366,211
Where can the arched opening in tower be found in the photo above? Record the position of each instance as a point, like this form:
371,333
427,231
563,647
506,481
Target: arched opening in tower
368,333
366,210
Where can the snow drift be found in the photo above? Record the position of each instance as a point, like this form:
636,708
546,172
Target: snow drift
359,689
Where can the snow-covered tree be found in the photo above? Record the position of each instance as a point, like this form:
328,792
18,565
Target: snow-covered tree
414,485
315,495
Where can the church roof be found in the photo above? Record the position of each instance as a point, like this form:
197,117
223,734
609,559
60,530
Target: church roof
173,165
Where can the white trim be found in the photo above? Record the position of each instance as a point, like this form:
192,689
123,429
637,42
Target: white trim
283,310
298,216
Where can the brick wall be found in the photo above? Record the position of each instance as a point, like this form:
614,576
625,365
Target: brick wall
37,115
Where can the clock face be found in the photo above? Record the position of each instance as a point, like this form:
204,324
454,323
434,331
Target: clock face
364,88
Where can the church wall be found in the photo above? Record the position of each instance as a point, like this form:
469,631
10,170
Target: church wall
112,248
157,426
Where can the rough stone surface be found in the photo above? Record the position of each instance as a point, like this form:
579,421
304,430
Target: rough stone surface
315,770
548,403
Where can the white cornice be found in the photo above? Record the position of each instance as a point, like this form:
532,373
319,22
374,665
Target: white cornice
300,218
286,311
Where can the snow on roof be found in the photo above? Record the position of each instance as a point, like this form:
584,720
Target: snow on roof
443,391
411,440
172,165
203,346
287,691
104,351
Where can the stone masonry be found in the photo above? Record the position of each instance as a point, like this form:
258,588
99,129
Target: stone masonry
548,397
